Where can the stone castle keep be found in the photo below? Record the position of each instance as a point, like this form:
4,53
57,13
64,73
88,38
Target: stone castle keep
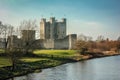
52,29
52,36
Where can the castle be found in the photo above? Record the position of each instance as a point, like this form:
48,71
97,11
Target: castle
52,29
52,36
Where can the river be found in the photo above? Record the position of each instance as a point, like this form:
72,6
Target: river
107,68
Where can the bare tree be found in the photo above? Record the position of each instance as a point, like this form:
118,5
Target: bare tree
118,38
1,29
100,38
11,52
82,46
83,43
5,31
84,37
28,25
28,30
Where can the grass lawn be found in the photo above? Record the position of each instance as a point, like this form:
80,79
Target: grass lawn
1,51
56,52
28,59
4,62
30,64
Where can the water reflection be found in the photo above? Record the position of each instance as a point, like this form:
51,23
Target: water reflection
96,69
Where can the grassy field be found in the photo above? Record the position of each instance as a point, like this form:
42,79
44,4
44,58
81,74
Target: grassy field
56,52
28,59
5,61
1,50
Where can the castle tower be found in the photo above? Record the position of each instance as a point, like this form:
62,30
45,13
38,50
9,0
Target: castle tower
61,29
52,29
28,35
72,40
42,28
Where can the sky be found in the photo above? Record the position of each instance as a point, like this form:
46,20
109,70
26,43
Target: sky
89,17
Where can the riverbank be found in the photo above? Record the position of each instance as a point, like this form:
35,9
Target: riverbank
46,60
30,67
106,68
30,63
